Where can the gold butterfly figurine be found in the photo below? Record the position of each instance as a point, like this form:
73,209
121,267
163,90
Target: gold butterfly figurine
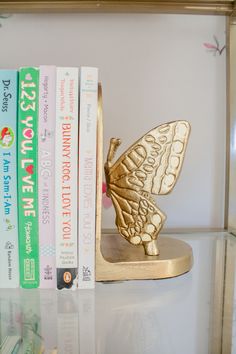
150,166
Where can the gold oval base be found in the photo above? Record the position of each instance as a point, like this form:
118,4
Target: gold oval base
116,259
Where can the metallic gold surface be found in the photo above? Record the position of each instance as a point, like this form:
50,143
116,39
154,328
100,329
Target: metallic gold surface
228,125
223,7
116,259
223,296
229,296
232,132
150,166
218,249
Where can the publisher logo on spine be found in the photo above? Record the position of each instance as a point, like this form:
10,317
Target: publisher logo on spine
6,137
29,269
86,274
67,277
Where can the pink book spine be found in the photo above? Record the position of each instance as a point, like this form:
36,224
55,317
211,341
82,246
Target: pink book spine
46,168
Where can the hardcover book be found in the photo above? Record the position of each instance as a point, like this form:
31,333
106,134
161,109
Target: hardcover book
28,177
46,175
87,175
9,270
66,165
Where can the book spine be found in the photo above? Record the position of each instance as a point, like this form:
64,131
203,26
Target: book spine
87,176
9,272
49,319
66,167
10,326
31,326
28,177
46,174
68,324
86,302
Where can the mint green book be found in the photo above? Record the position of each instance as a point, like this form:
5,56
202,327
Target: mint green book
28,177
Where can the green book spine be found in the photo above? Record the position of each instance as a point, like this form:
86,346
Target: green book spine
28,177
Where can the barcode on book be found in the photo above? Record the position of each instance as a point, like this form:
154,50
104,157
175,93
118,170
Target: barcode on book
29,269
86,274
47,273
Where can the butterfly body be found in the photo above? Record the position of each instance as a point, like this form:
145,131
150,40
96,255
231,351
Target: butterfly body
149,166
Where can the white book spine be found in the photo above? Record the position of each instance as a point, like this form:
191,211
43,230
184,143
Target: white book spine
46,179
68,324
87,175
87,337
66,179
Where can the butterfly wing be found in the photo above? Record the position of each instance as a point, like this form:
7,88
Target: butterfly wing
151,165
154,162
137,217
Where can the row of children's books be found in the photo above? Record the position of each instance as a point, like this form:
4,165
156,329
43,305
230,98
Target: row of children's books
48,123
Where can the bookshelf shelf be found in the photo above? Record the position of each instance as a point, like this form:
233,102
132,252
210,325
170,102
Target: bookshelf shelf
149,296
224,7
174,7
155,314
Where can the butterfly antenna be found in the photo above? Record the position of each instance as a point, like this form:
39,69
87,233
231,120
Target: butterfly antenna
114,144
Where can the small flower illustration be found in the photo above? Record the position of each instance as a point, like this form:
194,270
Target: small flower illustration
214,48
106,202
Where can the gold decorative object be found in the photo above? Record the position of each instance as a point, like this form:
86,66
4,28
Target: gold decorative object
151,165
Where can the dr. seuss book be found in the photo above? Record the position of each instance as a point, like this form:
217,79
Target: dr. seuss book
46,175
66,166
10,324
87,175
9,272
28,177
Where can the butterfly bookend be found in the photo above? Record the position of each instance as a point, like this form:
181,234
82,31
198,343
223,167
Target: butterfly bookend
149,167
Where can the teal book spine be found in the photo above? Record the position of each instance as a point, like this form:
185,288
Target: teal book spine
28,176
9,270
